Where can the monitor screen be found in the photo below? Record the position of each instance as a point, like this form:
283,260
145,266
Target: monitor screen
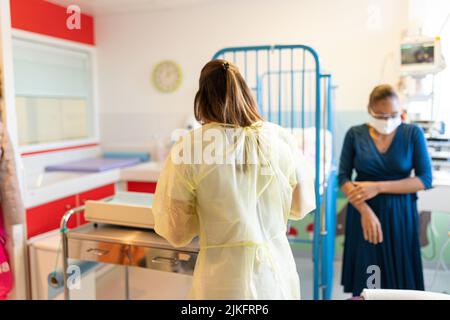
417,53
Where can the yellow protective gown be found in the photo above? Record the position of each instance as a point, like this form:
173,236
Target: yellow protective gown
236,188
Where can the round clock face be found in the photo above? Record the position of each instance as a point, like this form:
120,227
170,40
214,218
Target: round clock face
167,76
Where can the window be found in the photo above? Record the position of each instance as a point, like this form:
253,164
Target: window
53,93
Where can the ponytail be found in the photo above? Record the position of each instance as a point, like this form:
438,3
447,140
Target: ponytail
224,96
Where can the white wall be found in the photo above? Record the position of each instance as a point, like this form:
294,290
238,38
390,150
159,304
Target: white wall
356,40
432,15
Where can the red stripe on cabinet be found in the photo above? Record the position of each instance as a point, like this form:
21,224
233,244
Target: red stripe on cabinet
32,153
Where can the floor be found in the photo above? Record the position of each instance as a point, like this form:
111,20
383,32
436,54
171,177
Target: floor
305,271
434,281
150,284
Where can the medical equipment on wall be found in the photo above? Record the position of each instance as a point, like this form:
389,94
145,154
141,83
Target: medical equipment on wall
421,59
421,56
439,149
431,128
292,91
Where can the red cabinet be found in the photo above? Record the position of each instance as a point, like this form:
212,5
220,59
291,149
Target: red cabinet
48,216
138,186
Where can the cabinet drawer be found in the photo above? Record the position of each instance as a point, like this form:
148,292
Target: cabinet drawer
103,252
163,259
151,258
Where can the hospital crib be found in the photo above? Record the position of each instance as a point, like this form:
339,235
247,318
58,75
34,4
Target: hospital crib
292,91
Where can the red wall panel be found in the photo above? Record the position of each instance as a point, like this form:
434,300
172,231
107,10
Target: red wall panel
137,186
49,19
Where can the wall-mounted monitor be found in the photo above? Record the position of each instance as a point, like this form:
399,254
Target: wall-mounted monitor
421,56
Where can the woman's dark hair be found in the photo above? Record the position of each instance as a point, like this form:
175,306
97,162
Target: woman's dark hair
382,92
224,97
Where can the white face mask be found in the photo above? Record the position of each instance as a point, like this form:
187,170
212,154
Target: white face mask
385,126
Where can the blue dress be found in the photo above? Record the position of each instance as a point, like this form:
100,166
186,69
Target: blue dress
398,256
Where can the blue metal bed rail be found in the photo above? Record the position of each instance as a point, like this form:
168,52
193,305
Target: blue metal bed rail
292,91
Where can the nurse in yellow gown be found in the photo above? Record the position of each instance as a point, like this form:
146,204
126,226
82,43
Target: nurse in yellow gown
234,183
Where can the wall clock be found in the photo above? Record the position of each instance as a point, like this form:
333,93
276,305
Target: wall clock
167,76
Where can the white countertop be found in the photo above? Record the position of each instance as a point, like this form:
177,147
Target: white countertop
436,198
441,179
145,172
50,186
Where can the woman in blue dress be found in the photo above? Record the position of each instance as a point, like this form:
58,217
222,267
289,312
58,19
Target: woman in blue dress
382,226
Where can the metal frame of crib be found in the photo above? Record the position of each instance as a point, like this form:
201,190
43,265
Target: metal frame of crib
295,64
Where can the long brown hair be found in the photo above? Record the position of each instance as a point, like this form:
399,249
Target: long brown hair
224,97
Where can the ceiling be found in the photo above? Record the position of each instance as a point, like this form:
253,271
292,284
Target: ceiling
107,7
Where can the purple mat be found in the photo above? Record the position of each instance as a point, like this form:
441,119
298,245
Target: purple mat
93,165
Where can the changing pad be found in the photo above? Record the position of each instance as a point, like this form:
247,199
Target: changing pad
94,165
143,156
